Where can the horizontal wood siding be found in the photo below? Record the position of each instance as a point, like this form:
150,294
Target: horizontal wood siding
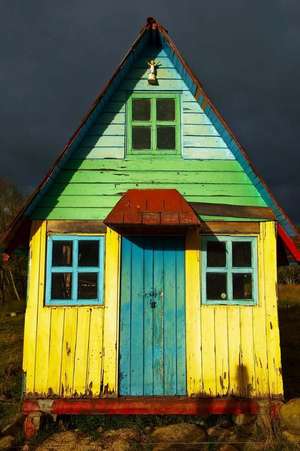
64,346
99,171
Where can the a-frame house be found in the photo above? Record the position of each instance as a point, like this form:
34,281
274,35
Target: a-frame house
152,275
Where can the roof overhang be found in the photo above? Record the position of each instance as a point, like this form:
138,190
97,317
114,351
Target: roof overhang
151,210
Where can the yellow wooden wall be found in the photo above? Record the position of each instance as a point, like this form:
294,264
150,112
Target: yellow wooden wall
73,351
64,352
234,350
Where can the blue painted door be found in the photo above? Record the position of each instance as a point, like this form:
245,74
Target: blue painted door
152,317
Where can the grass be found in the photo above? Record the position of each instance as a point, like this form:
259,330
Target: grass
11,347
289,294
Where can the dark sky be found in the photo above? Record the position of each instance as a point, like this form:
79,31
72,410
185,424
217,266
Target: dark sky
56,55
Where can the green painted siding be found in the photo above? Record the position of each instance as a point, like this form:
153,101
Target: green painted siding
99,170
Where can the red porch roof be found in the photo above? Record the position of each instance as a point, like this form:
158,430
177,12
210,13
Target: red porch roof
152,207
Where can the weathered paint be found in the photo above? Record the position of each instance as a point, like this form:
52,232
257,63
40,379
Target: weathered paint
152,317
64,346
230,350
101,168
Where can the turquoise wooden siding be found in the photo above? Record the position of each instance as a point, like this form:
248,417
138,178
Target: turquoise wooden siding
152,336
99,170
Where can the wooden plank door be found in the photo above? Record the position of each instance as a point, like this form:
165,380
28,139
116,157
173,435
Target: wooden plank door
152,317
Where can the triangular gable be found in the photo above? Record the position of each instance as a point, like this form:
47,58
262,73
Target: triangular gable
151,31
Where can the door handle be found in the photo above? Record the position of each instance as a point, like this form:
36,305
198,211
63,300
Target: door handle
152,303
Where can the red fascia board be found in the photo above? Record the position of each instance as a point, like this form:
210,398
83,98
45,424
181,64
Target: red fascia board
289,243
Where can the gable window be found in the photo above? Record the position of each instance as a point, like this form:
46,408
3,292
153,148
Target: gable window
153,123
75,268
229,270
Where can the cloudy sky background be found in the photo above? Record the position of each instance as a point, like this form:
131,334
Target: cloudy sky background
56,55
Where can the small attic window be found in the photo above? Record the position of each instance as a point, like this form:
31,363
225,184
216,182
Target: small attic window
153,123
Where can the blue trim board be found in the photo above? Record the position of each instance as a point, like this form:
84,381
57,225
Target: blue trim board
74,270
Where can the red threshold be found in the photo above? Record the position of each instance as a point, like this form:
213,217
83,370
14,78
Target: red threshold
142,406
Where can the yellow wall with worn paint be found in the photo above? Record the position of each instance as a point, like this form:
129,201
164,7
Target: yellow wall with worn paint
231,350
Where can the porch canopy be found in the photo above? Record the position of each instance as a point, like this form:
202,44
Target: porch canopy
153,210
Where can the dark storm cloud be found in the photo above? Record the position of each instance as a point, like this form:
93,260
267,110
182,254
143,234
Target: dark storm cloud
56,56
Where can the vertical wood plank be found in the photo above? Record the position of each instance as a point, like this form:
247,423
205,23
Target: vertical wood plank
148,323
68,351
246,374
136,341
43,324
221,341
30,328
208,350
170,317
55,352
158,331
259,326
193,323
272,328
233,318
95,355
181,322
111,315
82,348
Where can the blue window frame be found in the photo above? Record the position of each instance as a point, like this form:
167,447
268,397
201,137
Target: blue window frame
229,270
75,270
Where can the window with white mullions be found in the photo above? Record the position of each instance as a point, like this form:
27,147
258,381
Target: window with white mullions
153,123
75,270
229,270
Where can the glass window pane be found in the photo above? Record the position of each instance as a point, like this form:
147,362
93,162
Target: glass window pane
62,253
141,109
242,286
216,254
165,109
61,286
88,253
87,285
166,137
216,286
241,254
141,137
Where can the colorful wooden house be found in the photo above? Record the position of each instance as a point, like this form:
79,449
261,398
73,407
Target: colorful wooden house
152,269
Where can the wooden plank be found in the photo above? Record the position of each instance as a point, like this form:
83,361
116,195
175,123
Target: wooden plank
194,130
55,352
76,226
108,118
231,227
259,327
161,177
80,387
148,323
181,388
31,315
172,164
193,323
162,74
234,332
135,340
143,85
106,130
43,323
240,211
207,154
246,369
68,352
207,142
196,118
208,351
148,405
158,327
111,315
221,344
272,328
100,152
95,353
103,141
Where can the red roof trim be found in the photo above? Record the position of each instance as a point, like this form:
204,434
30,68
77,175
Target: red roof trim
289,243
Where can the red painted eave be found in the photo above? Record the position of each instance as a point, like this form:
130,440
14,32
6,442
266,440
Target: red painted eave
152,207
289,243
